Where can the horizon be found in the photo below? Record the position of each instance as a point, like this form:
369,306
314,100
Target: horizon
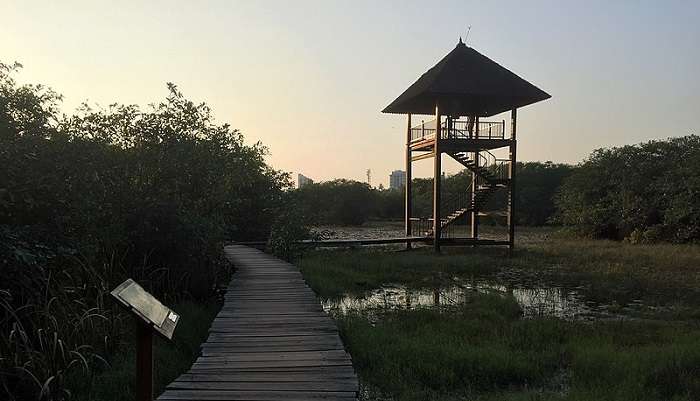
284,74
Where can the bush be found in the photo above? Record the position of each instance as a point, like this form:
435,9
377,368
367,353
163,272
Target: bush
343,202
645,193
287,230
90,199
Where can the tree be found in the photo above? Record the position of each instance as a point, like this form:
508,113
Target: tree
90,199
340,201
645,192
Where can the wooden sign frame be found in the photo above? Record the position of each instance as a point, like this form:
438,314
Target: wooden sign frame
147,308
150,315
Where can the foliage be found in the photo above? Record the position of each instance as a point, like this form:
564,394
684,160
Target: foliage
389,204
535,190
90,199
340,201
170,358
288,229
349,202
644,193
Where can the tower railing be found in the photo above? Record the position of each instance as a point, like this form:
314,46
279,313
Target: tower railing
465,129
423,131
423,227
459,129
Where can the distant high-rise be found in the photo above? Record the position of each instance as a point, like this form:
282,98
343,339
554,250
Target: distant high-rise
303,180
397,179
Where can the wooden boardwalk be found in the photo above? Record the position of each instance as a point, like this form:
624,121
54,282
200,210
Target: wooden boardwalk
271,341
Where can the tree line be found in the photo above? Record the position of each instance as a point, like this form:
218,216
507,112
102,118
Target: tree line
89,199
347,202
646,193
649,192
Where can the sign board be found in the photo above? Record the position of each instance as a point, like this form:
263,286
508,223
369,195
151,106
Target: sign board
146,307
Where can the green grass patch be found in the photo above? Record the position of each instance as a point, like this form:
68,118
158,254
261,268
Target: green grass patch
613,271
483,350
664,272
337,272
170,359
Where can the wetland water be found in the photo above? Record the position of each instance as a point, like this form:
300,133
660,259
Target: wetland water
394,229
536,296
535,301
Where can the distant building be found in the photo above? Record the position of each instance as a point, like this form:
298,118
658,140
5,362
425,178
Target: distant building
397,179
303,180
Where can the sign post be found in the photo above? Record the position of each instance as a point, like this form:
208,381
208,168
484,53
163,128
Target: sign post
150,315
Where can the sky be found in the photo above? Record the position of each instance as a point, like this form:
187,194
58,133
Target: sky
309,78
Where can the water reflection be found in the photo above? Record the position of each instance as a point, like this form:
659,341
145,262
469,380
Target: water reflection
535,301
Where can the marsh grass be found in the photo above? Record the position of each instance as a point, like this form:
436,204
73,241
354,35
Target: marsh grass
483,350
333,273
170,358
619,273
612,271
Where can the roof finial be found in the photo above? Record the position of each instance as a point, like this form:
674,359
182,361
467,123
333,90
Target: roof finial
460,40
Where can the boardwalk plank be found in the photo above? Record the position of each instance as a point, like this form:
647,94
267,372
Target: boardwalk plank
270,341
228,395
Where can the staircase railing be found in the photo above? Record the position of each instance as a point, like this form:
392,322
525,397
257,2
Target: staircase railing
496,169
460,200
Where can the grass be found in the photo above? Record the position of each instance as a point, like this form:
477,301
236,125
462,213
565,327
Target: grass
333,273
170,359
484,350
613,271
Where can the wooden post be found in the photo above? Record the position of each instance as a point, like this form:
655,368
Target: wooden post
450,130
144,361
475,212
436,297
437,178
407,187
475,185
511,179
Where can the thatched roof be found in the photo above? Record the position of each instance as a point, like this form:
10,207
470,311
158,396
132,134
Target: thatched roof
466,83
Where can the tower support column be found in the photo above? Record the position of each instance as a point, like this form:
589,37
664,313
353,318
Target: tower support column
437,178
409,179
474,212
475,184
511,179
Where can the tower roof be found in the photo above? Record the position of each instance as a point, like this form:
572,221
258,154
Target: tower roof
465,83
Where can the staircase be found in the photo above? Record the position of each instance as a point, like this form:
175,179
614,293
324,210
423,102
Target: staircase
489,168
463,203
491,174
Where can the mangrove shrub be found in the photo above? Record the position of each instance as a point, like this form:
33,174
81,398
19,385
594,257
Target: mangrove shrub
644,193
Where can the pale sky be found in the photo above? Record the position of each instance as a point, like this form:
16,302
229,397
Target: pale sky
309,78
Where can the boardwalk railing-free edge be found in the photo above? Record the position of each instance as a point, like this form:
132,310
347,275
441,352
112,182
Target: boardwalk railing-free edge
270,341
